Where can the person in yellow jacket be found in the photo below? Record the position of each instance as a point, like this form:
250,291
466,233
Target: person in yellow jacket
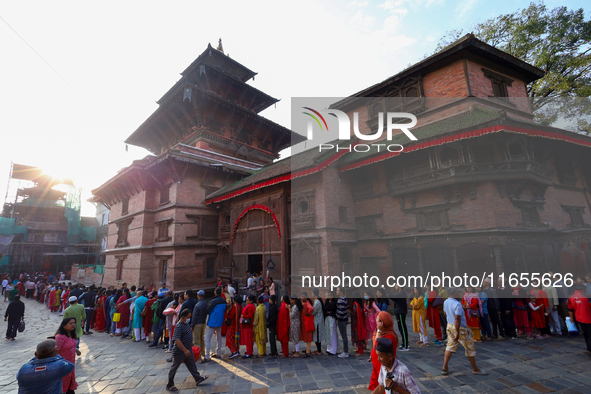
419,315
260,327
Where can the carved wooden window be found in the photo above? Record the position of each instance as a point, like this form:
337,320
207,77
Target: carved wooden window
207,227
303,212
122,232
210,268
576,216
165,195
449,157
162,229
124,206
499,83
343,214
516,152
529,212
432,220
565,169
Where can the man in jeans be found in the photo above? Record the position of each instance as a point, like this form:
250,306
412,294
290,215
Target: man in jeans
343,320
88,300
400,311
216,311
182,351
198,321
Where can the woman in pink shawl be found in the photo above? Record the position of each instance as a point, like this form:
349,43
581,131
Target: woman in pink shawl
65,340
473,310
52,298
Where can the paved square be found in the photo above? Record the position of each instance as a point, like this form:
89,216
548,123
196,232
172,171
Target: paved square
111,365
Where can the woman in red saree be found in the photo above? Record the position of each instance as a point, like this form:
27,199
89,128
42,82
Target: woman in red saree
358,331
433,315
233,330
123,309
384,329
100,323
307,323
283,325
52,299
21,288
149,315
246,333
473,311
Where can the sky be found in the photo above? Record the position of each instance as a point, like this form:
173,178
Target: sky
83,76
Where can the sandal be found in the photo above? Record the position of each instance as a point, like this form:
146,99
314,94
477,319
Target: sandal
173,389
444,372
317,353
295,355
203,378
306,355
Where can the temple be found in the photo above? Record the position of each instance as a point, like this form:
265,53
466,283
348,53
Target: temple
206,133
484,189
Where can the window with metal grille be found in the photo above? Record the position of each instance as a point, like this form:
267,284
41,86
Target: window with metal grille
343,214
210,268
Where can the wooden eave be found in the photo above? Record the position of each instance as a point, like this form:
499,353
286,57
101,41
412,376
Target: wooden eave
136,138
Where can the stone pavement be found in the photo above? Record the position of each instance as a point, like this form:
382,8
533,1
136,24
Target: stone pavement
111,365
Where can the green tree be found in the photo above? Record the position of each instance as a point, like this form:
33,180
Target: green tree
556,41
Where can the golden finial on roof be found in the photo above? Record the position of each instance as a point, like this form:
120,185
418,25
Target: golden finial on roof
220,47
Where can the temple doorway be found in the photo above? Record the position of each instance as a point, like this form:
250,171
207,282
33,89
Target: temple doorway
255,263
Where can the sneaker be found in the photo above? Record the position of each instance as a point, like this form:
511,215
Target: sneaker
246,356
169,360
513,338
234,355
403,349
152,346
344,355
438,343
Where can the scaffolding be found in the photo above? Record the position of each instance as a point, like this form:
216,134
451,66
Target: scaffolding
40,225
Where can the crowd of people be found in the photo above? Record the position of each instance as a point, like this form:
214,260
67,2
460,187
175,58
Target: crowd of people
184,321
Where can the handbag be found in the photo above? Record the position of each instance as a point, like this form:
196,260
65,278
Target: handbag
228,322
521,307
21,326
473,312
144,312
438,301
245,321
116,317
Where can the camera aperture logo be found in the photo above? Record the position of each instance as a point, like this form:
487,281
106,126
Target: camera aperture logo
344,125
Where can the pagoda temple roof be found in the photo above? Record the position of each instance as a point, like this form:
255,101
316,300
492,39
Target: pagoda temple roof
211,55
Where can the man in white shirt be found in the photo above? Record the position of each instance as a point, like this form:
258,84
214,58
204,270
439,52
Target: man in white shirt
250,280
555,326
394,377
231,290
4,284
458,332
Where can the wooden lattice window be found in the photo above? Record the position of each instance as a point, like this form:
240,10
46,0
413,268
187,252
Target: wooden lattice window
165,195
162,228
124,206
432,220
210,268
499,83
122,233
343,214
576,216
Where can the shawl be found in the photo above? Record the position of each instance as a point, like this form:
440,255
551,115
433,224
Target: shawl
388,326
468,297
283,321
260,323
